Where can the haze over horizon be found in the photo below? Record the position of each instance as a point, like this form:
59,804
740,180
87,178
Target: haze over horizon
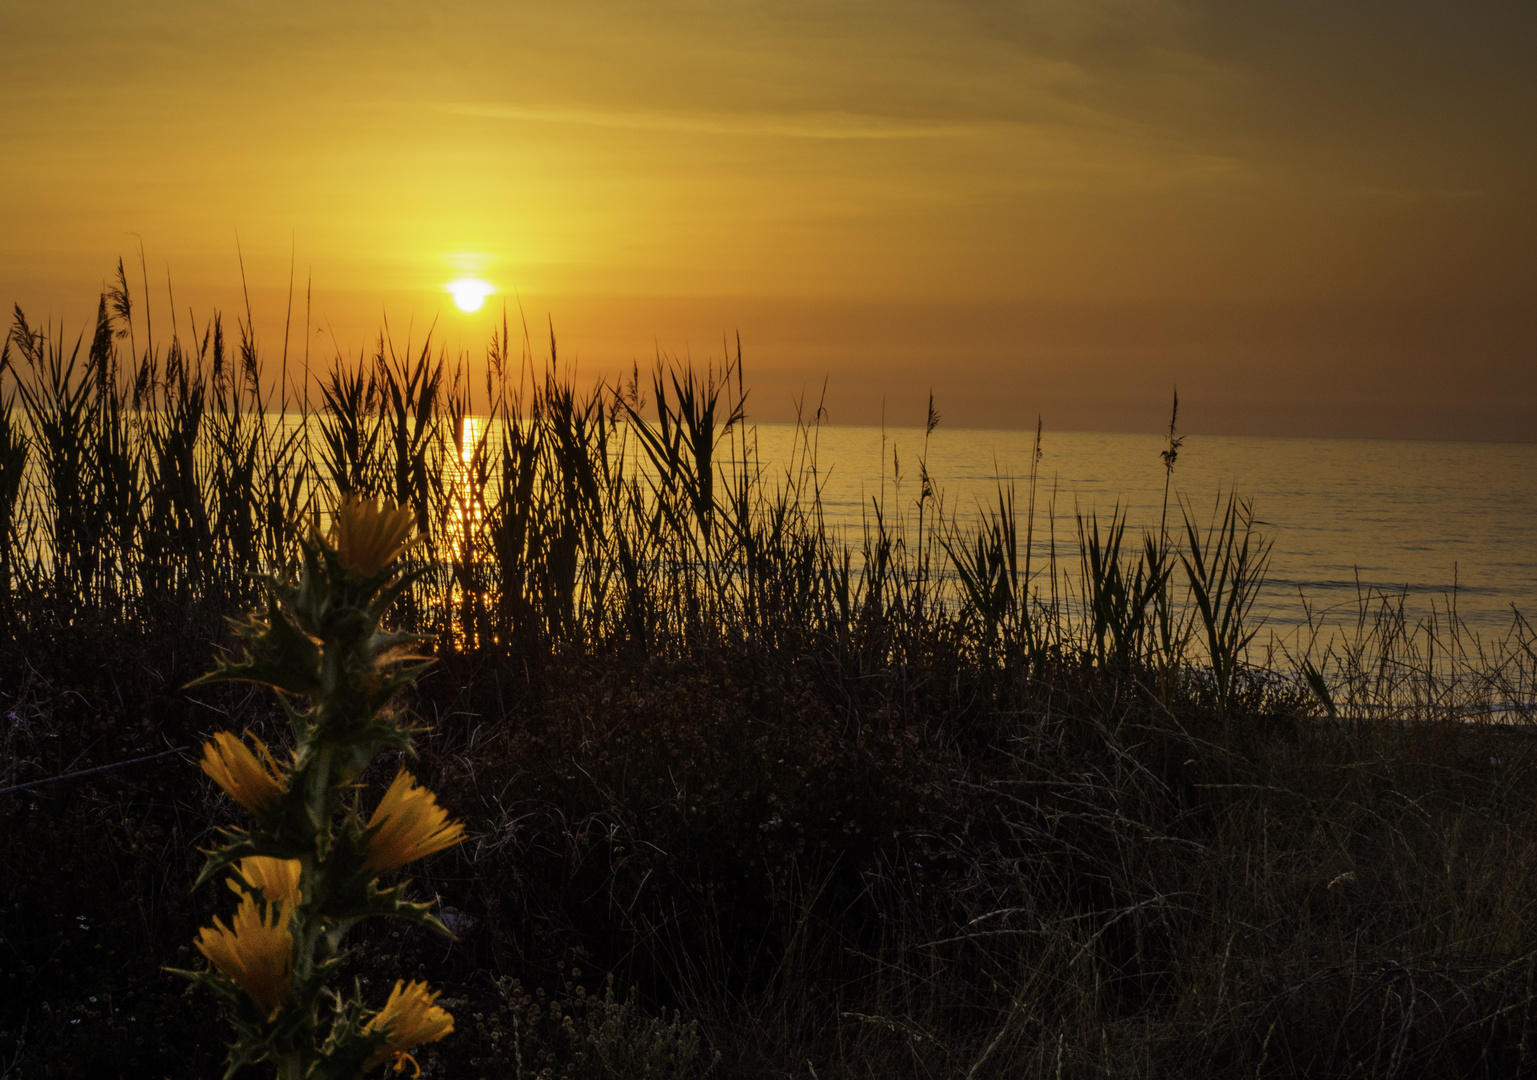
1315,219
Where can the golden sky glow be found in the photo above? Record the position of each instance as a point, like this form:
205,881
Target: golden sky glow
1316,217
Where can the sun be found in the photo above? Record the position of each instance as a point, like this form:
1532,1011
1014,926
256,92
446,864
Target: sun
469,293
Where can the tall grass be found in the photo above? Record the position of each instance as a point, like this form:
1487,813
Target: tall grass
933,796
610,519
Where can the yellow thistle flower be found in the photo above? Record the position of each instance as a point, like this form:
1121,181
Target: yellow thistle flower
276,879
369,534
411,825
409,1018
255,952
252,781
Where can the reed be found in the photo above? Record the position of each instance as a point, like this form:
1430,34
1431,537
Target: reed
913,800
569,516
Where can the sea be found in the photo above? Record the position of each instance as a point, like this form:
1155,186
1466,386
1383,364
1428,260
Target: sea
1447,530
1441,528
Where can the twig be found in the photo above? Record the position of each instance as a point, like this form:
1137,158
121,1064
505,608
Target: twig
88,772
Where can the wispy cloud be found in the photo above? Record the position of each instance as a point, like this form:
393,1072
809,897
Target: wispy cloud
803,125
1421,195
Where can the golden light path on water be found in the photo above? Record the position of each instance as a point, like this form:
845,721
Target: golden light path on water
466,511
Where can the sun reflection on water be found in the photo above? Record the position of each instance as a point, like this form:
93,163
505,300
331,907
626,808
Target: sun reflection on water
465,516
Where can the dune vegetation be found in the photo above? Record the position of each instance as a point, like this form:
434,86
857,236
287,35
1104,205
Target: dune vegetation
744,795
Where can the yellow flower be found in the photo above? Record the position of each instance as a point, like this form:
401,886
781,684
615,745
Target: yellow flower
411,825
409,1018
252,781
369,535
276,879
256,954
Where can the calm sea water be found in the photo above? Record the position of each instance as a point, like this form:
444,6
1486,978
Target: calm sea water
1435,522
1443,521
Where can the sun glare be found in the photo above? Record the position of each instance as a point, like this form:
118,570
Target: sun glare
469,293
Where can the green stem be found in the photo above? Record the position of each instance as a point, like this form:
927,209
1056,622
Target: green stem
291,1065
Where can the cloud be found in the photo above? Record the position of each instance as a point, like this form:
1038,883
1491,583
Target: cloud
806,125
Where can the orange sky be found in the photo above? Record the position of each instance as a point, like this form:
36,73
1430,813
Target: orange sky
1316,218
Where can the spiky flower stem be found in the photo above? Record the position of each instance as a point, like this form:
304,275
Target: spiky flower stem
320,640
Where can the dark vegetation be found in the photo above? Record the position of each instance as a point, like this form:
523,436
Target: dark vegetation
747,797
